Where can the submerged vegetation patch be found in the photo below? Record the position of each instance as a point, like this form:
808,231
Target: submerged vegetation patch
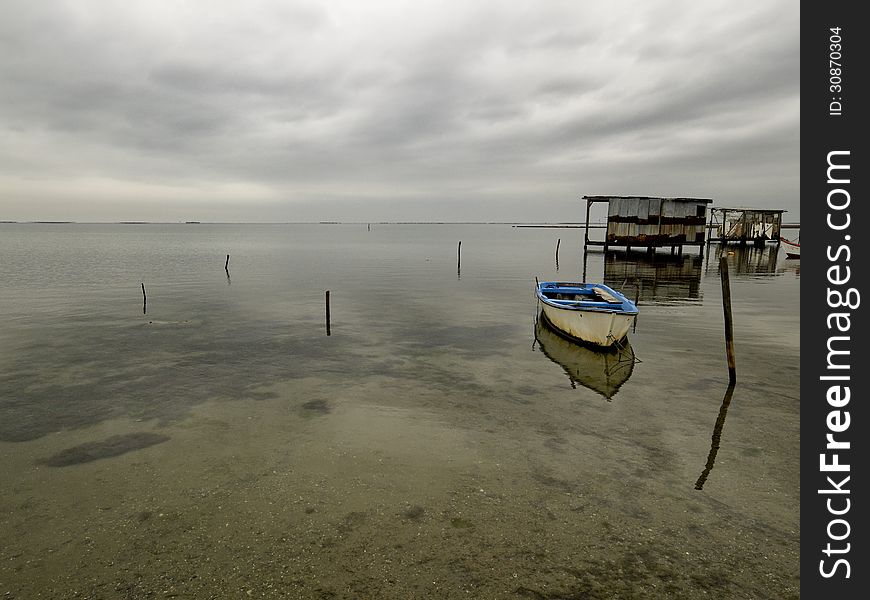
320,407
107,448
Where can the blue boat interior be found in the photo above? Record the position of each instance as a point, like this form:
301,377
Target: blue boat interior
585,295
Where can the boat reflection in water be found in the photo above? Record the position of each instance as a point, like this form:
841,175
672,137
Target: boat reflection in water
601,370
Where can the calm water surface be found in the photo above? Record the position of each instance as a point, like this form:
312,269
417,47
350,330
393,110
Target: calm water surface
438,444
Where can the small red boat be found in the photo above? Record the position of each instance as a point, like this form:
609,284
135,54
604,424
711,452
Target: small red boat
792,249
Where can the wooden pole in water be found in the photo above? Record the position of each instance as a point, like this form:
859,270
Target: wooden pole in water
227,264
558,242
144,300
328,332
586,233
729,328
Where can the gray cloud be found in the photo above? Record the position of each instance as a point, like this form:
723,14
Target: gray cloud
275,110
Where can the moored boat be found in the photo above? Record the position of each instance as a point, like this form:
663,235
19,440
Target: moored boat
792,249
592,313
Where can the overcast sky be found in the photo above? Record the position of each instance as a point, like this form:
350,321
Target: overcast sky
447,110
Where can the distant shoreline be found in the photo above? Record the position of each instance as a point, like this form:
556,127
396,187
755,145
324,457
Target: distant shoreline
516,224
511,223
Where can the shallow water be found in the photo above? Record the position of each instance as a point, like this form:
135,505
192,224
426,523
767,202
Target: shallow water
433,446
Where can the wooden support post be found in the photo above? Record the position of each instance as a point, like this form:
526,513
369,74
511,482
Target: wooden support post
227,264
636,300
559,241
586,235
459,256
144,300
661,215
729,328
328,332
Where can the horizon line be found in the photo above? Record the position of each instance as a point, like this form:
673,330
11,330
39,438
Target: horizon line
68,222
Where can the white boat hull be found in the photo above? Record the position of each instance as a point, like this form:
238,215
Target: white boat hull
792,249
601,328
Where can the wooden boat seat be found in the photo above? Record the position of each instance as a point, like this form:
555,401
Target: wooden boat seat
606,296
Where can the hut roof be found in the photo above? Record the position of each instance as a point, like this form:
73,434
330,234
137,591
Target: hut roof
755,210
606,198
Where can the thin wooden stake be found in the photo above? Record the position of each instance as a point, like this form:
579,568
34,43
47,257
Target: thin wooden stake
227,265
558,242
729,327
144,300
328,331
459,255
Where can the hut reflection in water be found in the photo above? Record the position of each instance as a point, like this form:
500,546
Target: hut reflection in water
745,260
654,278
